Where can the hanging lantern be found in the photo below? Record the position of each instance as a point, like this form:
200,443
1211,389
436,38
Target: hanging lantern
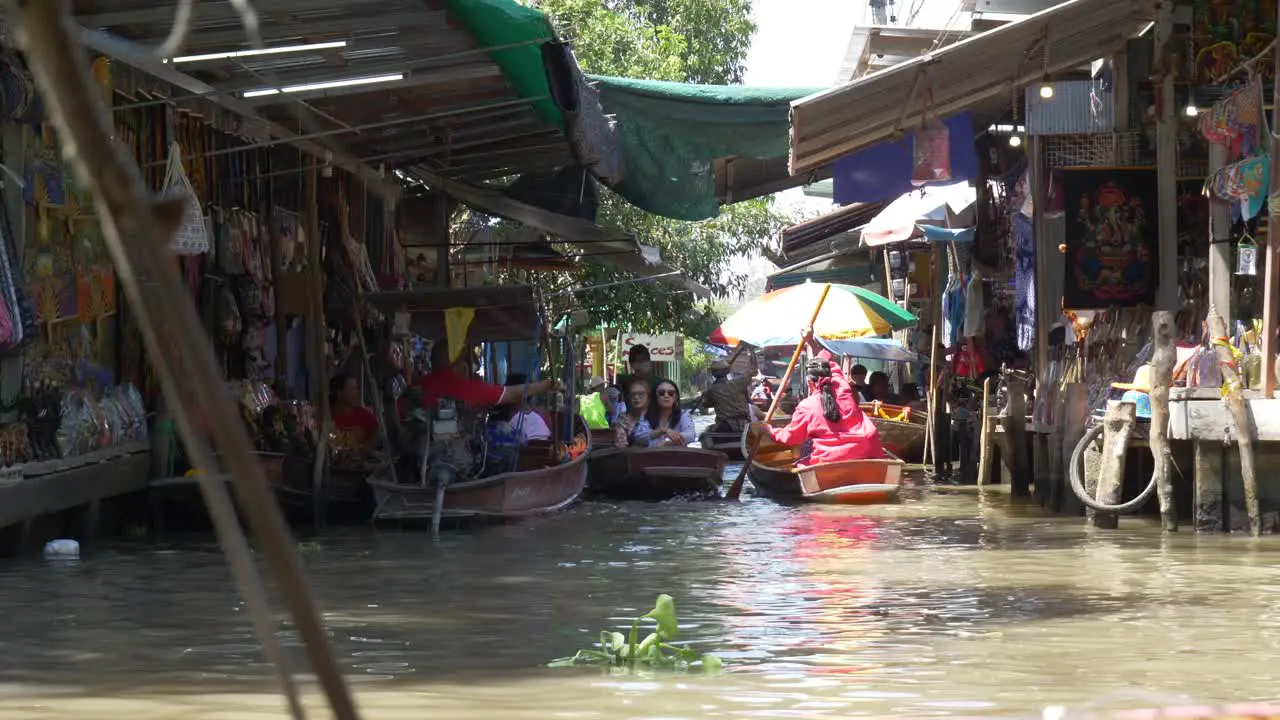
1246,257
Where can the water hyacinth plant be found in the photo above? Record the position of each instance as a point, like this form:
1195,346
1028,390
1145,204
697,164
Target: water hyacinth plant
654,651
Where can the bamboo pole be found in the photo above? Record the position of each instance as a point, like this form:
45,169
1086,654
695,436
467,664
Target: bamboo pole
315,348
735,490
150,279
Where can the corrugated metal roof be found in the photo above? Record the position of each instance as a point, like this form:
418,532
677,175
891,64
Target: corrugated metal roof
1076,108
802,236
848,118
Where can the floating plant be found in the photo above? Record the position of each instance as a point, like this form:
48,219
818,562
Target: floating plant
654,651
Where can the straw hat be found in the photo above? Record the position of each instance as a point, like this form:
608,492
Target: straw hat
595,382
1141,380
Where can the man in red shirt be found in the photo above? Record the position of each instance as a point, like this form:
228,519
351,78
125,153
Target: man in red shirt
456,381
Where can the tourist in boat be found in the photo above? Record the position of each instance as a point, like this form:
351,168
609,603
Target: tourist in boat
667,423
858,379
731,399
830,421
761,392
527,423
355,426
878,388
594,406
632,427
641,369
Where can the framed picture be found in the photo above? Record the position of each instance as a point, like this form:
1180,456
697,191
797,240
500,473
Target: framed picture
1113,243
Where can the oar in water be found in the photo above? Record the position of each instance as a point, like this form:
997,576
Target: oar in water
753,443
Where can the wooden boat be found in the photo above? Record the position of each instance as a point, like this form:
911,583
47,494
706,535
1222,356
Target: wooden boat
902,429
730,443
654,474
541,485
774,475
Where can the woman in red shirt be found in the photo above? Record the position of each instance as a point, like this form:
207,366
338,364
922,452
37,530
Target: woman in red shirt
354,424
831,419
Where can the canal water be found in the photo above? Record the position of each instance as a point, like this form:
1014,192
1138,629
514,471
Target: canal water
951,603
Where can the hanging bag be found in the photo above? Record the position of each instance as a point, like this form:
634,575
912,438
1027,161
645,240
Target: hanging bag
192,237
930,148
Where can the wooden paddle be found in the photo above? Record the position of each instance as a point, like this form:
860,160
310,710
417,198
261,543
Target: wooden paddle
753,443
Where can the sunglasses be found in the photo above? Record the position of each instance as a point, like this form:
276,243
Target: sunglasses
666,393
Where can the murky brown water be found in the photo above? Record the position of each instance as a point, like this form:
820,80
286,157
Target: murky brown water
947,604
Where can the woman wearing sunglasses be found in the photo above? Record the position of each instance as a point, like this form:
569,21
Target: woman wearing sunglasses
668,424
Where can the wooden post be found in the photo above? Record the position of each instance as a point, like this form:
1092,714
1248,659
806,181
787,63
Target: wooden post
1045,306
1015,432
1115,445
984,440
1219,242
1233,397
1166,160
1039,463
1074,415
316,344
1054,458
1091,470
1271,274
1162,361
1210,459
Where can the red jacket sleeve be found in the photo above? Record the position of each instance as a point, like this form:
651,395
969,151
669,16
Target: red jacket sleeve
474,391
796,432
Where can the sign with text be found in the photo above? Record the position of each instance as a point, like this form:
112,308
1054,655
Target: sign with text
662,348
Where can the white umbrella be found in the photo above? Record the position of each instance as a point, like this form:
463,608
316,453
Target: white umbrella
897,222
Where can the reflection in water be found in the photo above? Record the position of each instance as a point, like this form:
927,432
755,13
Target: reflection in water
945,604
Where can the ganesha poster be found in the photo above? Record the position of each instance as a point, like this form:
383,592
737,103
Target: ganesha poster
1112,238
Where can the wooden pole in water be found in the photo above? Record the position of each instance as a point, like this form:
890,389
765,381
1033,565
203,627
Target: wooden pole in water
1115,444
753,442
1233,397
983,449
1162,362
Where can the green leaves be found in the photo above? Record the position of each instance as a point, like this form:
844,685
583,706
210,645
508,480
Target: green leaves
629,652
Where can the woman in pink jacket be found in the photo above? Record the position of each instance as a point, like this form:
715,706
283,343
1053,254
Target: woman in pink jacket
831,419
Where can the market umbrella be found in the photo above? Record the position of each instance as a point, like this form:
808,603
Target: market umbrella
897,222
775,319
885,349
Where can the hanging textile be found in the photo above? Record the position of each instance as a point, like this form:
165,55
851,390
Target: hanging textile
953,296
1244,184
1024,281
456,322
974,311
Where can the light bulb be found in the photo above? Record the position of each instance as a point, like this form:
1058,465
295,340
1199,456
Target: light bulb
1015,140
1192,110
1046,91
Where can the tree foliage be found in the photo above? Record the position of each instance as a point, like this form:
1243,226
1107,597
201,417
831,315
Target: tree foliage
702,41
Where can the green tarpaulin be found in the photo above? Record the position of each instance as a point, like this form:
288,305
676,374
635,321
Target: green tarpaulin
520,31
671,133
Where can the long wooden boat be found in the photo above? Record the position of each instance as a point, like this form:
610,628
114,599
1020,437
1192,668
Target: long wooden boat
654,474
774,475
902,429
542,484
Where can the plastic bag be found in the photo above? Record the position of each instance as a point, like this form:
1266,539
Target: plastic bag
1203,370
192,237
931,153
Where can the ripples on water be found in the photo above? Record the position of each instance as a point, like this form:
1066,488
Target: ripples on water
946,604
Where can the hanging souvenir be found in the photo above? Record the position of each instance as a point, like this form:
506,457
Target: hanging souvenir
1246,256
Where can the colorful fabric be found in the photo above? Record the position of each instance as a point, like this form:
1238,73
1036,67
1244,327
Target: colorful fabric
592,409
1242,183
1024,282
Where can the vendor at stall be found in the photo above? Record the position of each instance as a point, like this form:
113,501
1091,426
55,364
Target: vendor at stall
355,426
